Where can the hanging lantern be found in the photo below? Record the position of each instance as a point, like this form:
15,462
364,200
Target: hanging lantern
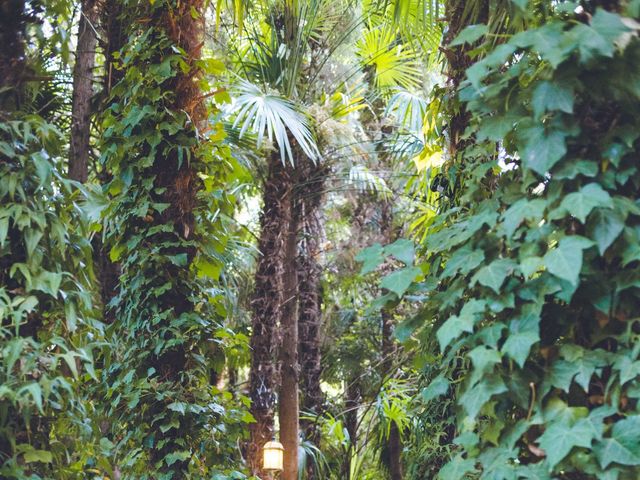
273,454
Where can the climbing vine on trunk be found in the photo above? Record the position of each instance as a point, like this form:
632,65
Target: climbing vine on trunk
164,227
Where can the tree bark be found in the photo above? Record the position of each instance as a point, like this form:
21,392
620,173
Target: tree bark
13,65
266,304
458,60
310,197
289,409
79,148
112,40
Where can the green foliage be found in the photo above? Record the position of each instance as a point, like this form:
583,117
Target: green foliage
47,333
536,267
164,225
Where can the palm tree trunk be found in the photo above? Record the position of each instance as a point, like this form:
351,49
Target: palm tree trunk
458,60
83,92
310,197
266,303
289,408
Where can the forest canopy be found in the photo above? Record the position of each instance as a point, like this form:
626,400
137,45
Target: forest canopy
319,239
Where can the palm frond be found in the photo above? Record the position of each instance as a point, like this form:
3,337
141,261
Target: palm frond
366,180
275,118
407,109
394,64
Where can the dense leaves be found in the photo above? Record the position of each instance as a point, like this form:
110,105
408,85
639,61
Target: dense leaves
537,265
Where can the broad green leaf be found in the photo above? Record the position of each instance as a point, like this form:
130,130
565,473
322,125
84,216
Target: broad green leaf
400,280
522,210
565,261
471,34
457,468
494,274
580,203
177,457
370,258
518,346
457,324
608,25
543,150
623,446
402,249
545,41
559,438
437,387
483,357
179,259
605,226
36,393
473,399
550,96
463,260
42,456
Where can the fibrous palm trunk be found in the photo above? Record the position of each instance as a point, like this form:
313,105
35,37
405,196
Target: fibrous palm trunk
267,302
309,271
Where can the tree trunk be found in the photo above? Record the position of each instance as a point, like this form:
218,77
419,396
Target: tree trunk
83,92
113,39
394,443
351,404
266,303
13,65
289,410
458,61
310,296
160,324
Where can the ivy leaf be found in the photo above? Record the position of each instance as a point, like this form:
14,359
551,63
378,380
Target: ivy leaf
402,249
628,368
545,40
551,96
439,386
565,261
370,258
400,280
456,324
624,445
457,468
174,457
580,203
608,25
464,260
473,399
483,359
522,210
518,346
605,226
470,34
558,440
493,275
543,151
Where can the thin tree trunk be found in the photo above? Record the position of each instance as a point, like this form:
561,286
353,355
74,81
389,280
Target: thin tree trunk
310,197
289,409
266,304
112,41
351,404
389,348
83,77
